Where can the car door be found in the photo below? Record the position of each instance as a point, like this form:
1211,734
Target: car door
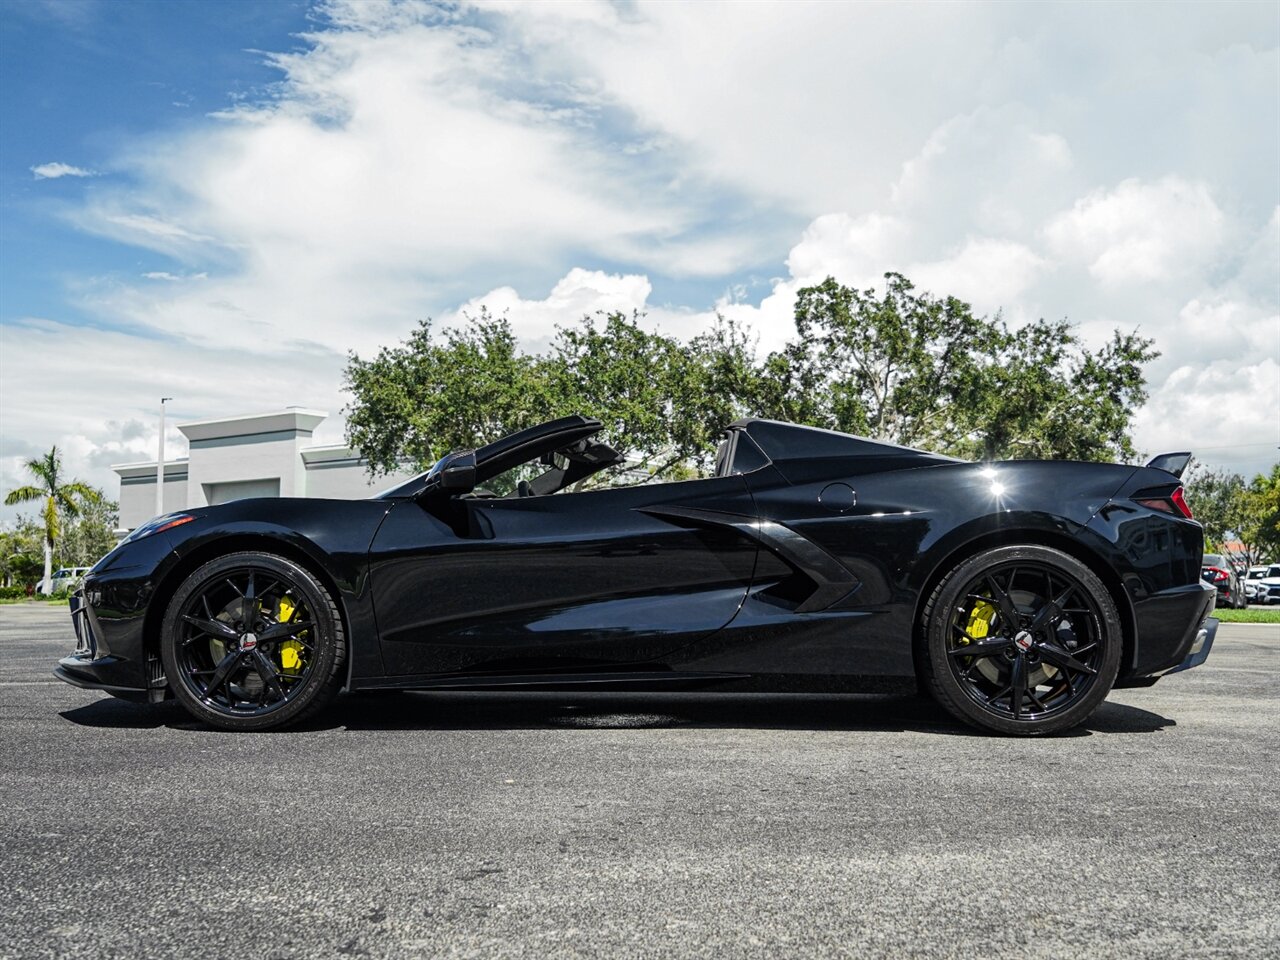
570,581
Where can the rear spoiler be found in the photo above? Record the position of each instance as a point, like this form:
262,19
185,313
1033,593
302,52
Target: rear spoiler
1173,463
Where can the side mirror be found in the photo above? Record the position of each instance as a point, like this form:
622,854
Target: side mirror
458,475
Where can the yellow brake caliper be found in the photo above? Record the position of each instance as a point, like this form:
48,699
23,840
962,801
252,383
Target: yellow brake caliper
979,626
980,618
290,650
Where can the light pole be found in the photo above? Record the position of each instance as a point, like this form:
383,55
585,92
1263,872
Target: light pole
160,462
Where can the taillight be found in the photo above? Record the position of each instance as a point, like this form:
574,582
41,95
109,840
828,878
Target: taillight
1164,501
1217,574
1180,501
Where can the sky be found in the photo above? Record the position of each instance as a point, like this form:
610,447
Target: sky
218,202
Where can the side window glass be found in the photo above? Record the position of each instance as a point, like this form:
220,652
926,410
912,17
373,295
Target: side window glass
747,456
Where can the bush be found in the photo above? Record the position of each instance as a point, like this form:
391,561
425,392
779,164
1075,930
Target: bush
13,593
1252,615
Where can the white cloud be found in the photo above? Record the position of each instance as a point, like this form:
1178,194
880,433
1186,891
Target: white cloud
855,250
812,107
173,277
99,401
579,293
647,156
1140,231
52,171
1258,267
1222,328
989,273
404,160
1224,411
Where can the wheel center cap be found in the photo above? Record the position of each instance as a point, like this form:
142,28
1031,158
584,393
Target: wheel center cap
1023,640
249,641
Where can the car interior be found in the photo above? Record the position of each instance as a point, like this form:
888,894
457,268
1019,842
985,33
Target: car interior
585,457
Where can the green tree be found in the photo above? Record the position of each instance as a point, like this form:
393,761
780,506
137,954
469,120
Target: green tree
920,370
889,366
91,536
896,365
1262,500
1043,395
59,496
1232,511
417,401
663,401
611,368
20,549
720,384
1215,498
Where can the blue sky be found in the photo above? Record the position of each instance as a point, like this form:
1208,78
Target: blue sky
92,76
217,201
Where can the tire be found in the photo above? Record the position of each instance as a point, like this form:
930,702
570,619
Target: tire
1066,636
253,641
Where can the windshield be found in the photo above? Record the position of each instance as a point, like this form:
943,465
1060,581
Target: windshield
405,488
1211,560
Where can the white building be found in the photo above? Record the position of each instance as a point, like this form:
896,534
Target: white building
259,455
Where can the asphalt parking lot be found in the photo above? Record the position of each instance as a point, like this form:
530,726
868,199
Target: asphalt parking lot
482,825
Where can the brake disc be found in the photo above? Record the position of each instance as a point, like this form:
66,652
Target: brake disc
981,617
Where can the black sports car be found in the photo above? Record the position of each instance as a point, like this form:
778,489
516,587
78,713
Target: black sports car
1017,593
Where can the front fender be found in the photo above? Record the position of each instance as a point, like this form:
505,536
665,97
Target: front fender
335,549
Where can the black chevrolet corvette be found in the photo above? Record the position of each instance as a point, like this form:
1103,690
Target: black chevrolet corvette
1017,593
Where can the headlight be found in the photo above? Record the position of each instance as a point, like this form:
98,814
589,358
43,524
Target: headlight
158,525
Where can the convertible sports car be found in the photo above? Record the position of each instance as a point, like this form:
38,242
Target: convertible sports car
1017,593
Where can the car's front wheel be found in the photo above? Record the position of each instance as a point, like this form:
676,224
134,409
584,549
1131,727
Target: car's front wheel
1021,640
252,641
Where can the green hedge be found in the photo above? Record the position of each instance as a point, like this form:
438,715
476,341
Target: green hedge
20,593
1251,615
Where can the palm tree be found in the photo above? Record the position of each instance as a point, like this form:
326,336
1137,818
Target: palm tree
57,496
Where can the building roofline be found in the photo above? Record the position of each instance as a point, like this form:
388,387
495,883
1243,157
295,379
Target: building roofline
170,466
301,419
333,451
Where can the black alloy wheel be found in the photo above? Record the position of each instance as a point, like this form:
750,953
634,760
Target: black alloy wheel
1022,640
252,641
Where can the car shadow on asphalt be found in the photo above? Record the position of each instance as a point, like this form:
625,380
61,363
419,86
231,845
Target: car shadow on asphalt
614,711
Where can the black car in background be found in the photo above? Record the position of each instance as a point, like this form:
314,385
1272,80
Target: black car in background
1017,594
1221,574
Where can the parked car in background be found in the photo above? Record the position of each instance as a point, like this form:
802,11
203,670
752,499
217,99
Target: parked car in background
1218,571
64,578
1266,583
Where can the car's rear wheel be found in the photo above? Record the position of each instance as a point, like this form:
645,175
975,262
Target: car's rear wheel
252,641
1021,640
